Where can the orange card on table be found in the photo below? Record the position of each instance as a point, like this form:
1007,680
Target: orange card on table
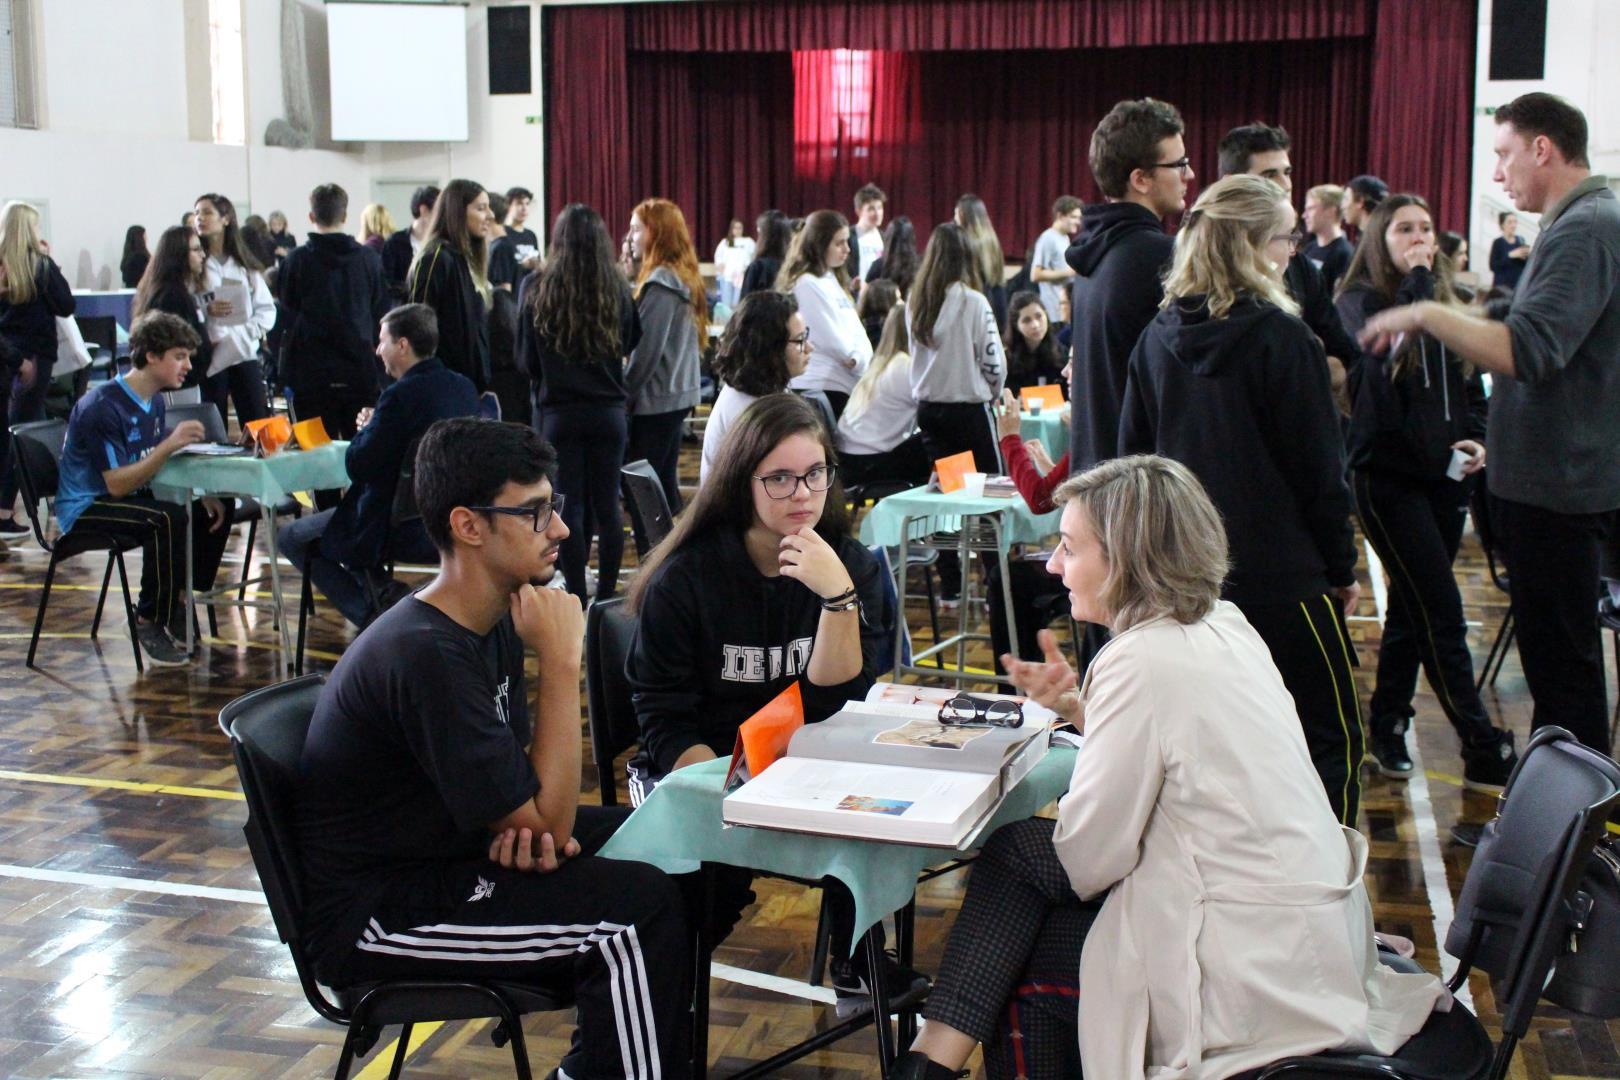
271,433
311,433
1050,397
762,739
953,469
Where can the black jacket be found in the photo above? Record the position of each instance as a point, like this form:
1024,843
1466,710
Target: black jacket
503,262
1407,425
358,532
177,300
133,266
760,275
1119,258
396,263
1244,402
31,327
561,381
716,640
333,298
440,279
1313,294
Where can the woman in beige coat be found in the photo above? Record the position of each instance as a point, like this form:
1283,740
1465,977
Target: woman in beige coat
1236,930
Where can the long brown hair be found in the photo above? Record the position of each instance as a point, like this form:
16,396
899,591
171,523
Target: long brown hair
448,228
726,498
231,241
947,261
807,254
170,266
575,301
1372,268
670,244
989,264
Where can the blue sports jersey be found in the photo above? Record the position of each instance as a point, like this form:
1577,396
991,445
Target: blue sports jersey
110,427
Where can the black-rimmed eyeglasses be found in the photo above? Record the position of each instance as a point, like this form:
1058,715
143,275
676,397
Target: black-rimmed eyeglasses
1179,166
539,513
966,711
802,341
783,485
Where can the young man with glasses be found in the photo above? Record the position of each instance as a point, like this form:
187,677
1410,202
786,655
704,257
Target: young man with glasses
341,547
1139,160
438,805
1262,150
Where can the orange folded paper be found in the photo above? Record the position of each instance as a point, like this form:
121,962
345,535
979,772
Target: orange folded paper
311,433
271,433
762,739
953,469
1050,397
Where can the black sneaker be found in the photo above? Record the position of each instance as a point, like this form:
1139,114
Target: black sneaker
13,527
848,978
1467,833
1486,764
1389,749
160,647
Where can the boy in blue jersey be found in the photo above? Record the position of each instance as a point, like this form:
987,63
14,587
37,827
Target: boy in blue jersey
115,446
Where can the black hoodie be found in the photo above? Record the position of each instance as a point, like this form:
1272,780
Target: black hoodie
441,279
1244,402
333,294
716,640
1119,258
1407,425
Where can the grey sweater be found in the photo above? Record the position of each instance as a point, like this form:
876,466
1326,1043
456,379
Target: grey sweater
1554,434
663,372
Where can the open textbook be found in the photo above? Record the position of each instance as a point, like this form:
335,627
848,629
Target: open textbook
886,769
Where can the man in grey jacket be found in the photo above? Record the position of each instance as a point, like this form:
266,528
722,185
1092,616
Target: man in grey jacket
1553,454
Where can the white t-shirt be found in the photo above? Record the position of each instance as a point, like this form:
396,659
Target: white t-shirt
727,407
1050,247
841,349
870,244
730,261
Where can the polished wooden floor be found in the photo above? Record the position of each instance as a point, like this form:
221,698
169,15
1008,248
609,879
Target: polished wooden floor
134,941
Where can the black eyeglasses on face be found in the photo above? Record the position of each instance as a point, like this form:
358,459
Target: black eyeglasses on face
1180,166
783,485
540,513
964,710
802,341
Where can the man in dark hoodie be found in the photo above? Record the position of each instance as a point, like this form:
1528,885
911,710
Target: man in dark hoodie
1140,163
333,293
1262,150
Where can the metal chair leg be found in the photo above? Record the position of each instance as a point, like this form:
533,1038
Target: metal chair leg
818,958
39,619
400,1051
247,563
129,614
306,604
101,601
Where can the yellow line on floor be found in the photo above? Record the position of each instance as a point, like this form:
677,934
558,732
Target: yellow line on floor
384,1061
1444,778
122,785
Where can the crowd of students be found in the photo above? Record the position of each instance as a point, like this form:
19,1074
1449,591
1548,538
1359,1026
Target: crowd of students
1237,395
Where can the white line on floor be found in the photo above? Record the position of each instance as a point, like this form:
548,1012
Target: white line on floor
1434,866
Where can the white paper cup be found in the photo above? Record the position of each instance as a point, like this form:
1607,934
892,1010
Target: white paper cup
1034,406
973,485
1459,459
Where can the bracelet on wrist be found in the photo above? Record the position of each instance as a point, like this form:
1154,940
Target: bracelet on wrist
846,601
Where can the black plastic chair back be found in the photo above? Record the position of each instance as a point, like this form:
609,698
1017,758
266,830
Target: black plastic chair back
650,516
824,408
609,631
100,332
205,413
37,450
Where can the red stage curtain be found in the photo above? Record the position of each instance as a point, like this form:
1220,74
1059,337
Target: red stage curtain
854,111
951,25
1422,122
588,148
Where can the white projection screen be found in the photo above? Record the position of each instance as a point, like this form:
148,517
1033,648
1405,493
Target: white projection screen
398,71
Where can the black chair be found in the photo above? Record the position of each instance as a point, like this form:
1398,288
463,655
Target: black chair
100,333
378,580
824,408
650,516
248,511
1518,909
37,450
1609,620
1479,508
609,629
267,729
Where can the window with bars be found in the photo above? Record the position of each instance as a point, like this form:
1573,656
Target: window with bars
17,95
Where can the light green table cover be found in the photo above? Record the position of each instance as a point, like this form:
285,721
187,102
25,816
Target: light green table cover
268,480
1047,427
933,511
679,827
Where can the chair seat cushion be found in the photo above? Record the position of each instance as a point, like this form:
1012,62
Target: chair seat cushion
415,1001
78,541
1451,1046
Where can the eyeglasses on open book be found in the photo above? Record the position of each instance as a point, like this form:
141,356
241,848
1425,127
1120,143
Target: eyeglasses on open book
964,710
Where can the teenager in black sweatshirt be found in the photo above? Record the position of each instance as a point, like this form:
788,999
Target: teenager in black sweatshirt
448,276
1414,408
1140,161
1228,381
759,586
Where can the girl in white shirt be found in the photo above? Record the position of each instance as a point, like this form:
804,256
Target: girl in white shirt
814,273
764,347
731,261
957,365
878,441
233,278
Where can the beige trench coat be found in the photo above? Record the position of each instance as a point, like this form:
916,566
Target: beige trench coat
1237,931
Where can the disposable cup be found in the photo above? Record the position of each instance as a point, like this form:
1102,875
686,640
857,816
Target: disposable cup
973,485
1034,406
